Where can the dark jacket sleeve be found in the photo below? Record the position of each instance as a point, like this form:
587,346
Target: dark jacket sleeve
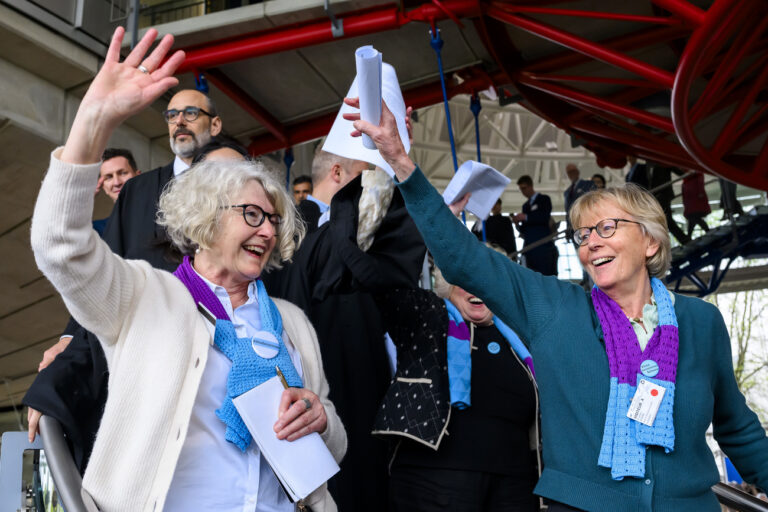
73,389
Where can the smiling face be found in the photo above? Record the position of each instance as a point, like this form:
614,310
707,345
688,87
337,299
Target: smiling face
240,252
114,173
617,264
471,308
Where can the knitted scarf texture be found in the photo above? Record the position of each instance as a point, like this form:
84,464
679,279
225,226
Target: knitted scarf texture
625,440
248,368
460,355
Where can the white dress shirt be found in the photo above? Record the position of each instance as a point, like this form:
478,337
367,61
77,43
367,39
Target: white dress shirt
179,166
212,473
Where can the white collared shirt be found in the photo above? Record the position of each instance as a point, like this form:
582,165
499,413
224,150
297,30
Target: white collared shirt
212,473
179,166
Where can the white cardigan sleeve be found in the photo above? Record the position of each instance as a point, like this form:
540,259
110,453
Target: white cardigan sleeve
98,287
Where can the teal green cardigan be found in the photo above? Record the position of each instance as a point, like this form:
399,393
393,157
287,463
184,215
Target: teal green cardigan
557,322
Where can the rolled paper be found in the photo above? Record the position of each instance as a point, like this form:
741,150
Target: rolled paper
368,63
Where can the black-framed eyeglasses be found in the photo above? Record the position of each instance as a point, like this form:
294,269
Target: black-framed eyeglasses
604,229
190,114
254,216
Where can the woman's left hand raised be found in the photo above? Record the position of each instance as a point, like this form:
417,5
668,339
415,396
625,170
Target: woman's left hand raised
118,91
300,413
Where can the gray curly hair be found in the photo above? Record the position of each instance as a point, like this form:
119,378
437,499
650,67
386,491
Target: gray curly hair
191,206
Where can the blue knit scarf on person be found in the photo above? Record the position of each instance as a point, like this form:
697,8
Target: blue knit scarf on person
625,440
460,355
248,368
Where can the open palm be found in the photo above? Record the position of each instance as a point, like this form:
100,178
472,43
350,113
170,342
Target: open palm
121,89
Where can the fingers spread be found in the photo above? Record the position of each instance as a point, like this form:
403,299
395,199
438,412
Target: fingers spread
134,58
170,66
158,54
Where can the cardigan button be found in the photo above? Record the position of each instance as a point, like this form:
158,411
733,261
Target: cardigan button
647,481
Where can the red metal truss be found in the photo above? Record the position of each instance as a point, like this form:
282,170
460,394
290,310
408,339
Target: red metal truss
473,79
643,109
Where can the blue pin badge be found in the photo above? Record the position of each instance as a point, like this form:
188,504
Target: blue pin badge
649,368
494,348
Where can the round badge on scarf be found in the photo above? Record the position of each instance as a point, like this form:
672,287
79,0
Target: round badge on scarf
494,348
649,368
265,344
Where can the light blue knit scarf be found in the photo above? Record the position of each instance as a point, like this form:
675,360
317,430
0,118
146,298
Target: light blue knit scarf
248,368
460,355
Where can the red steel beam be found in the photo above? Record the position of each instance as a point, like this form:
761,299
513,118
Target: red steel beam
248,104
683,9
595,50
316,32
581,98
475,79
634,41
643,84
658,20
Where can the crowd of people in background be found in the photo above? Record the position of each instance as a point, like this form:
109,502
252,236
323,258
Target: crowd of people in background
498,387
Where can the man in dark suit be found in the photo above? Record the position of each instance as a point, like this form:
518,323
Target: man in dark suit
577,189
534,225
498,230
72,388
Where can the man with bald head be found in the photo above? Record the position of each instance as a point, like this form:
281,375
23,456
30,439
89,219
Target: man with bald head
330,173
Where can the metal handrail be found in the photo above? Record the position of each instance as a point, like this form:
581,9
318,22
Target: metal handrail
738,499
66,477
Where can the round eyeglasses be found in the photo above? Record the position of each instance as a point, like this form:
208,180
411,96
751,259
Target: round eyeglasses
190,114
254,216
604,229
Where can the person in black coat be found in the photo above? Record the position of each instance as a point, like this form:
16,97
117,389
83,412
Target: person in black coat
73,387
330,282
534,225
498,230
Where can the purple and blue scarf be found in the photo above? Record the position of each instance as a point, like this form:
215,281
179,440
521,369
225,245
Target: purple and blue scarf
625,440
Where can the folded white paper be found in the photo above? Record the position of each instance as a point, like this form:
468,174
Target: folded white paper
302,465
340,142
368,63
485,183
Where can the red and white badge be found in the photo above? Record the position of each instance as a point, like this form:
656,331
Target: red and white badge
646,402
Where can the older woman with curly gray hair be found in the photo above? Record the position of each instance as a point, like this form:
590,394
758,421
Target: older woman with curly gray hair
181,346
630,375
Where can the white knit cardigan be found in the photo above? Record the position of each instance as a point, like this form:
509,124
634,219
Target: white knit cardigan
156,345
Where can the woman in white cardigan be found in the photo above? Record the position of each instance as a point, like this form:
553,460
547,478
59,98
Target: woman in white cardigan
170,438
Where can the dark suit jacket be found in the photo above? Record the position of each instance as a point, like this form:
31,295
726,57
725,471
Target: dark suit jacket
73,388
131,231
576,190
498,230
310,212
536,225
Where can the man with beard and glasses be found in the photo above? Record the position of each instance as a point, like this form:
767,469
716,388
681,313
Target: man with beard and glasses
131,231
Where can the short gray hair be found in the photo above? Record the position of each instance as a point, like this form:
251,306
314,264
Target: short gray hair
642,207
323,161
191,206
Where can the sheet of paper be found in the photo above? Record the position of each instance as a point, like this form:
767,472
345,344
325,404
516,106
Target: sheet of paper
302,465
485,183
340,142
368,64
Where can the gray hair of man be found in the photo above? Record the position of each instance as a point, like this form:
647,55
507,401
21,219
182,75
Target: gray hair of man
324,161
192,205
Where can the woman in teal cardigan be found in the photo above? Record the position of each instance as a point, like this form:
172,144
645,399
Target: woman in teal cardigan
629,347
